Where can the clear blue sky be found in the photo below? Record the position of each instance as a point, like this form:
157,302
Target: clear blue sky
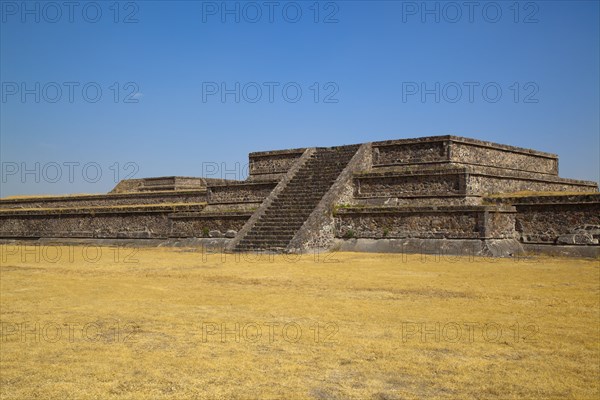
370,61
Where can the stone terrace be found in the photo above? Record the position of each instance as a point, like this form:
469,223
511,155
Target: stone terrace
423,194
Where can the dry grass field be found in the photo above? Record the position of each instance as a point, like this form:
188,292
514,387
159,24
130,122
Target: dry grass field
163,323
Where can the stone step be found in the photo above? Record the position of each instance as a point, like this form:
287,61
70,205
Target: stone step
316,194
307,187
315,175
271,234
301,196
278,218
304,193
286,203
282,219
274,224
283,215
271,238
288,212
291,207
270,249
292,221
271,231
278,226
308,183
321,171
316,172
280,205
267,243
317,169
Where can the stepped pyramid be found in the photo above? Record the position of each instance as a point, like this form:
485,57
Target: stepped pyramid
425,194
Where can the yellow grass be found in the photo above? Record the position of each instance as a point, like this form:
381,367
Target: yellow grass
168,307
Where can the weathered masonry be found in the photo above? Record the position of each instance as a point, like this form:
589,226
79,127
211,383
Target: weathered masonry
434,194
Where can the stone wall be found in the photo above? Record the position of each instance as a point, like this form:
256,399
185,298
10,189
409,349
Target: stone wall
561,220
480,183
207,224
165,183
136,222
445,149
409,184
517,159
272,165
453,185
390,153
477,222
420,200
189,196
99,222
240,192
559,223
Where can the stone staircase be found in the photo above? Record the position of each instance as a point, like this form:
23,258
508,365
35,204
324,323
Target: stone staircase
290,209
